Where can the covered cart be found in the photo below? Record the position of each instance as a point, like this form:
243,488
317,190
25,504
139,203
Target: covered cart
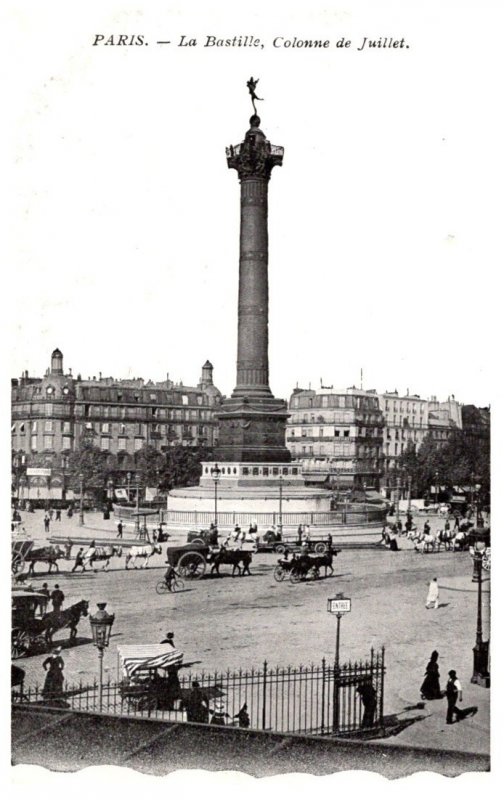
28,627
20,550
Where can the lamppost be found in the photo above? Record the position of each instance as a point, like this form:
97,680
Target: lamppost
81,502
215,473
101,625
409,494
338,605
137,507
280,488
436,486
481,674
398,482
128,479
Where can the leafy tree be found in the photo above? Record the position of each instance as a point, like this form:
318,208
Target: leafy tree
150,465
183,466
90,462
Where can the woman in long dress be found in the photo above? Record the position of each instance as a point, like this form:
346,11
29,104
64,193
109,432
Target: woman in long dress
430,688
53,684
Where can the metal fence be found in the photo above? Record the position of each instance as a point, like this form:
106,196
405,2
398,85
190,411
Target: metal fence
198,519
324,699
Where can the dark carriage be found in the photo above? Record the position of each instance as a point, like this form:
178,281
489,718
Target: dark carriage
305,566
207,536
20,550
28,629
193,560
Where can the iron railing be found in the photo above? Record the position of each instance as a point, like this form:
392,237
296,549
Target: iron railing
344,516
317,700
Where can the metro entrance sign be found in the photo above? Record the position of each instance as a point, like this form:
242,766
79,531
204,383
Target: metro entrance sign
339,605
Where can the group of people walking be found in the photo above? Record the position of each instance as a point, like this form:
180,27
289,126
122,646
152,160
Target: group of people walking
431,689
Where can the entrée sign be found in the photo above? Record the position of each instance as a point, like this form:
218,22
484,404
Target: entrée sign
339,605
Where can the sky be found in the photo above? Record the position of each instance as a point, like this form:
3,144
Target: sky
125,218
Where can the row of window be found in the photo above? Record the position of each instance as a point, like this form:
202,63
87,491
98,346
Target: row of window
334,401
154,412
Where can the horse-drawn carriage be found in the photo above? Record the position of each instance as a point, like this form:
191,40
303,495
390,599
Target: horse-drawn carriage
28,630
304,566
20,550
150,680
33,628
193,560
24,552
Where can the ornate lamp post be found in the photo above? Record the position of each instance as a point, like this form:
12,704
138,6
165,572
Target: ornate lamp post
128,479
81,503
215,473
436,486
481,675
110,489
101,625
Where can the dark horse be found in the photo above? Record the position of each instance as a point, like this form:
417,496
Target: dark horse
48,555
67,618
325,561
234,557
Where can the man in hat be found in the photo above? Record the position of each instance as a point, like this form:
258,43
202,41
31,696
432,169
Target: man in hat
57,598
219,713
453,693
196,704
79,560
169,639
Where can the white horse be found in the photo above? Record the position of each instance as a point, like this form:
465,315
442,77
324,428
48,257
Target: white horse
144,552
100,553
425,543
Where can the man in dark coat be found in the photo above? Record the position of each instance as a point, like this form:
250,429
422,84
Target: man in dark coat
57,598
368,697
453,693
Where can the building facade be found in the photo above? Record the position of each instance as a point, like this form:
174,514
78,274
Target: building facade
53,415
339,433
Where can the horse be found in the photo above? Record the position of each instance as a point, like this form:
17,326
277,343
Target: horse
447,538
425,543
461,540
48,555
234,557
101,553
142,551
325,561
66,618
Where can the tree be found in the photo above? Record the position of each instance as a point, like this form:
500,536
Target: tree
90,462
150,464
183,466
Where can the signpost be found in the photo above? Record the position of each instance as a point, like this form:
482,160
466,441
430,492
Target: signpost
338,605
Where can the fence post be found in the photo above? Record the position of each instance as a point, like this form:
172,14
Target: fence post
323,695
382,671
264,696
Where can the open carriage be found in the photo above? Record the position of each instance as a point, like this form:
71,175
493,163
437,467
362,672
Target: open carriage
193,560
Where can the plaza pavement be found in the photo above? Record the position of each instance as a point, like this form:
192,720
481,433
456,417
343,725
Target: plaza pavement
231,623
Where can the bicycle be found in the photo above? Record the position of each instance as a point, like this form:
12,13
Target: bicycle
175,585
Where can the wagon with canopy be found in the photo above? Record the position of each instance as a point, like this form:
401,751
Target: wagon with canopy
150,680
20,550
28,628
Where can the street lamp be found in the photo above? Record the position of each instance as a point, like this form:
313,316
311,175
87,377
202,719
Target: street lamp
101,625
81,503
215,472
128,478
280,521
137,517
481,674
436,486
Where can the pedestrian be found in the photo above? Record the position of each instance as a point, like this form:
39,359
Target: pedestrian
51,512
243,717
47,521
447,526
70,512
54,679
57,598
453,693
196,704
368,698
457,522
426,528
119,530
79,561
399,526
58,515
430,688
299,534
169,639
219,713
432,600
45,599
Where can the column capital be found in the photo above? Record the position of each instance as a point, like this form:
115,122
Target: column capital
255,157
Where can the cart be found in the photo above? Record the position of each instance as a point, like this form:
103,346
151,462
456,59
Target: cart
150,679
20,550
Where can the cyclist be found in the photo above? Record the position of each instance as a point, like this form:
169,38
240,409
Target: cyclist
170,575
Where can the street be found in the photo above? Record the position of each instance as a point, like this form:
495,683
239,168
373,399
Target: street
231,623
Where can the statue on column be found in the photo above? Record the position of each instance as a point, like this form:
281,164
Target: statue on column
251,84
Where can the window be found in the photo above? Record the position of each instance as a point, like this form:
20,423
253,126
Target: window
67,443
105,443
336,432
255,470
265,471
48,409
34,426
22,429
33,444
138,444
123,443
245,471
154,411
321,432
48,426
105,428
275,470
346,433
67,427
47,442
185,400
